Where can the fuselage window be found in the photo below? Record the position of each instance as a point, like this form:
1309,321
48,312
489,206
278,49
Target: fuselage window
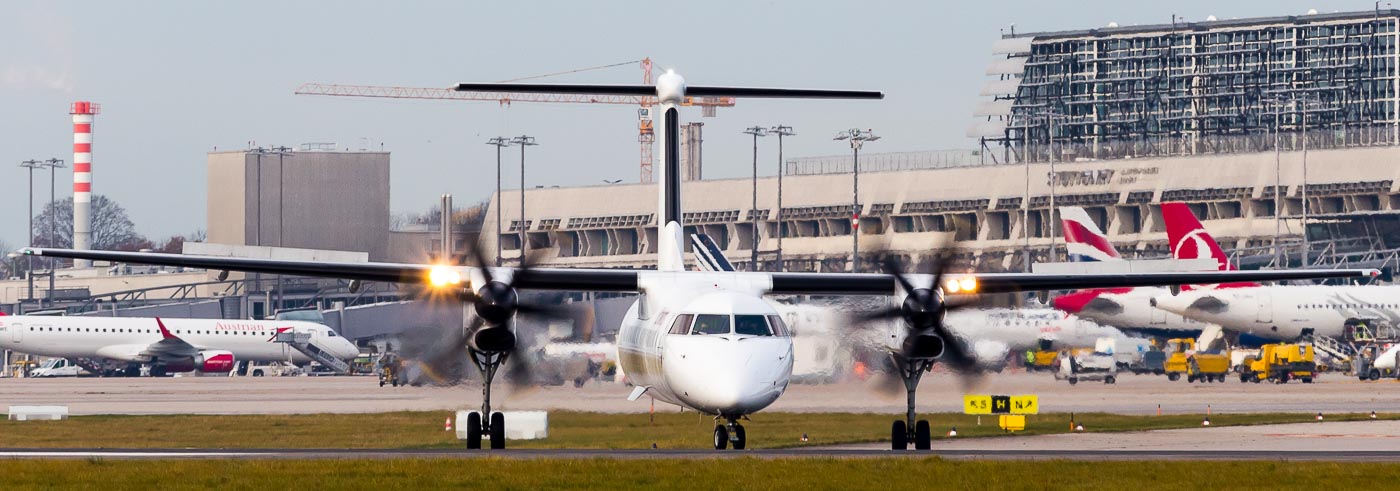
711,324
779,328
682,324
751,325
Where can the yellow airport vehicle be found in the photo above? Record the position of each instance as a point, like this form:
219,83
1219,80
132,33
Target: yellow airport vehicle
1043,358
1183,359
1280,363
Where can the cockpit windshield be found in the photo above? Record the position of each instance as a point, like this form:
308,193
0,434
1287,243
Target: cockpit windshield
751,325
711,324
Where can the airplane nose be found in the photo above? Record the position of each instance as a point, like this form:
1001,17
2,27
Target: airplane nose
736,376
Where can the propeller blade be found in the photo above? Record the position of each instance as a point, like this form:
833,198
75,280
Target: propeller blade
887,313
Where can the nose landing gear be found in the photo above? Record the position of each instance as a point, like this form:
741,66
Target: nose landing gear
730,432
907,430
494,425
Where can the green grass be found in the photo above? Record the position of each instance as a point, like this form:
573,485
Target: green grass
743,473
567,429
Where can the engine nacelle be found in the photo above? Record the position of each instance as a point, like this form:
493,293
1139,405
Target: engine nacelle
923,344
214,361
493,339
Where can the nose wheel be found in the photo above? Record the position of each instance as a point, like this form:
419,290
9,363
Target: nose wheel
730,433
902,432
493,427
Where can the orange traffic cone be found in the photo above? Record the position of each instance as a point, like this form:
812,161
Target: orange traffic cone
447,426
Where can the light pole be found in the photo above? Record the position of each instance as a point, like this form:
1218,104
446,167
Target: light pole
781,131
29,265
1026,201
53,165
756,131
523,141
857,137
498,142
1050,117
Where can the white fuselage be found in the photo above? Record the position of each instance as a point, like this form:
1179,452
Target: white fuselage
712,368
125,338
1131,308
1022,329
1282,312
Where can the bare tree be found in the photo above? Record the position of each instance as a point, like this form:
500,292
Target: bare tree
111,228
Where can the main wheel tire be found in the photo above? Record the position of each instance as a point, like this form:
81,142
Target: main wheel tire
1073,380
498,431
1374,374
923,437
721,437
740,438
474,431
899,435
1174,376
1110,380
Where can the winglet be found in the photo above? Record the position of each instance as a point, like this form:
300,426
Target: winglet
163,331
637,392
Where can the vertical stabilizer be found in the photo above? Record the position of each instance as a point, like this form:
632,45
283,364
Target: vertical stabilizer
1084,241
670,224
1188,238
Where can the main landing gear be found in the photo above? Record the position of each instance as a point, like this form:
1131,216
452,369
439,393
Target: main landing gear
730,432
903,432
494,426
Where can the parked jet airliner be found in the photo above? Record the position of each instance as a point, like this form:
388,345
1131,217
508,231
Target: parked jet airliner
166,345
1277,312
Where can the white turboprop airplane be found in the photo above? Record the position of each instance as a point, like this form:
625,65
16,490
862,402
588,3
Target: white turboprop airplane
166,345
1277,312
708,341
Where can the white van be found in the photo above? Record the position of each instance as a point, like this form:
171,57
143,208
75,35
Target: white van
57,367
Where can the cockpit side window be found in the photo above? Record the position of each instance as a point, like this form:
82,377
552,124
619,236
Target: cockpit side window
779,328
711,324
751,325
682,324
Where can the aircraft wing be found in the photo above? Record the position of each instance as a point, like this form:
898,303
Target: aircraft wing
537,279
884,284
781,283
169,346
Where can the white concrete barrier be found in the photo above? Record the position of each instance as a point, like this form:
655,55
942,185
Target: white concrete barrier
39,413
520,425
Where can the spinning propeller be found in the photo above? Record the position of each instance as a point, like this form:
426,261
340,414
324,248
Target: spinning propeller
924,312
490,332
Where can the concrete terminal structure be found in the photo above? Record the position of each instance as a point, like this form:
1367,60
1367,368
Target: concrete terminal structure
976,208
310,199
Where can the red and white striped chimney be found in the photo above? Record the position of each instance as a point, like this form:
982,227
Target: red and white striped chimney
83,112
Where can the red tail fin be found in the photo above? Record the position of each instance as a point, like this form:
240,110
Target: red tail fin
1188,238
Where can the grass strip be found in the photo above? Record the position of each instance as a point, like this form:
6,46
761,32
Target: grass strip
566,429
746,473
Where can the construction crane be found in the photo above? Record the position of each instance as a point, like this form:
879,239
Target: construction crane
646,134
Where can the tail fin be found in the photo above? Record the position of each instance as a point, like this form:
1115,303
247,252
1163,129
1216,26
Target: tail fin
708,255
1188,238
1084,241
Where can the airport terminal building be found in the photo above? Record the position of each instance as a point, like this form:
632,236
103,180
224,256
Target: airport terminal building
1257,123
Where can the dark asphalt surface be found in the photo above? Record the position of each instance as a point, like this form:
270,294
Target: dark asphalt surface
175,453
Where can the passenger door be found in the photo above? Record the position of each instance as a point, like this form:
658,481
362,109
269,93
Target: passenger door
17,333
1266,306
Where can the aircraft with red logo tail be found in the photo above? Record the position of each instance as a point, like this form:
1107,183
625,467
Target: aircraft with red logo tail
1276,312
1125,308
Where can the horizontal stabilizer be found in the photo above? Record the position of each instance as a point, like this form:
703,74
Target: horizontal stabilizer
771,93
599,89
648,90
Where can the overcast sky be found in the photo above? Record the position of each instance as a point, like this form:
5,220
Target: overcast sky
177,79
